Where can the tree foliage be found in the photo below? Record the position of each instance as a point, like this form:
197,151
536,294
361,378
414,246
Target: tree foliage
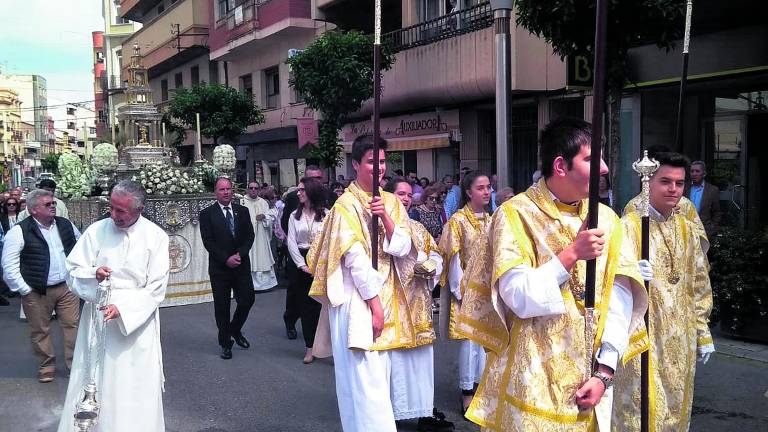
335,76
224,111
50,162
569,26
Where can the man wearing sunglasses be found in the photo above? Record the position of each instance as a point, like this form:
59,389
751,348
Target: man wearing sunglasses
34,265
50,186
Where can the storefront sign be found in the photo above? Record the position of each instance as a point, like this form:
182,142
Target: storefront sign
414,125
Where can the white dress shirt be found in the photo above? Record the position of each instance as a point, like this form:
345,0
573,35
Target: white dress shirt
14,244
300,234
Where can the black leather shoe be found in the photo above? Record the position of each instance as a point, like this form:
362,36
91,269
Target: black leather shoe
434,424
290,330
226,352
242,342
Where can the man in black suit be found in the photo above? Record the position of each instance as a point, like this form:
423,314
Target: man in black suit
227,234
294,299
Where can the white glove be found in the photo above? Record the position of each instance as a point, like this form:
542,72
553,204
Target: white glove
646,270
704,352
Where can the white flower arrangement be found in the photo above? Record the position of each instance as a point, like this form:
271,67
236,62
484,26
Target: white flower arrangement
74,179
160,179
224,157
104,157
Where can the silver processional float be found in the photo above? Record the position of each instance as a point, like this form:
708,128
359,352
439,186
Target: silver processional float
87,408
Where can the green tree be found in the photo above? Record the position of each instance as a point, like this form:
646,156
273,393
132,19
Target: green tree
569,26
224,111
174,131
335,76
50,162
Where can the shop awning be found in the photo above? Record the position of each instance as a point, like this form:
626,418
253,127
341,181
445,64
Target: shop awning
422,142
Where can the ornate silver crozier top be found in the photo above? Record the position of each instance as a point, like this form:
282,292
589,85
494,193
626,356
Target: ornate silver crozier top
645,168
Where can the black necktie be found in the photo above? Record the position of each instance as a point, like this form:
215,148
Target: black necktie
230,220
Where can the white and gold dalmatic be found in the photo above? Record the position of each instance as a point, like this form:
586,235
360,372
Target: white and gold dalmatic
348,223
687,209
680,300
536,365
458,237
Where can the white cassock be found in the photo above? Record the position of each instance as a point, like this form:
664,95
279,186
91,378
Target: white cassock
471,354
362,377
412,375
130,392
262,262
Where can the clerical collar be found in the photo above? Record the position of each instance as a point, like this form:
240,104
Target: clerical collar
556,200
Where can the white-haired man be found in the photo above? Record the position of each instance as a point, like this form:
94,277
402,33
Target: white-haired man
133,253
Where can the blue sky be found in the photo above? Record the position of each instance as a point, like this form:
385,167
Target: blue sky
52,38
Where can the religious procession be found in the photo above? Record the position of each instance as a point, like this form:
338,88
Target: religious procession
508,216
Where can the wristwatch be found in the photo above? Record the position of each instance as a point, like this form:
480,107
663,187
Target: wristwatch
607,381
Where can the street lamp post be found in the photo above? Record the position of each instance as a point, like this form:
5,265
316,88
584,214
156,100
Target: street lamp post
502,14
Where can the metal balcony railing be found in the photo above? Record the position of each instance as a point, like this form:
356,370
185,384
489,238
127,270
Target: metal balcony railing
241,12
447,26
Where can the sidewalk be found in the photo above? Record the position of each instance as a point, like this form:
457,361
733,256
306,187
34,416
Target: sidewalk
740,349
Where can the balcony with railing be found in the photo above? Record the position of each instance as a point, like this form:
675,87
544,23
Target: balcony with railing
161,47
134,10
249,20
451,59
464,21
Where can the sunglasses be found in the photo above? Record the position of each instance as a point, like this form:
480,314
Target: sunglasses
12,204
435,199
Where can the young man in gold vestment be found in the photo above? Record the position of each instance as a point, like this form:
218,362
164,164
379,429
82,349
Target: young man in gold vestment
524,299
680,301
364,309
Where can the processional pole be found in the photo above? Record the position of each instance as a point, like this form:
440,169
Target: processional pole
376,132
645,168
598,108
684,75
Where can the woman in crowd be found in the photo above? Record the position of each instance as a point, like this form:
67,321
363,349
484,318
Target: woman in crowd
303,225
604,189
338,189
10,211
429,213
456,247
413,369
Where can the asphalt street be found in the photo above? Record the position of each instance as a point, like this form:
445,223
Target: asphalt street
268,388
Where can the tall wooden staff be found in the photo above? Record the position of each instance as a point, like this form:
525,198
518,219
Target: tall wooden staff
645,168
598,104
376,132
684,75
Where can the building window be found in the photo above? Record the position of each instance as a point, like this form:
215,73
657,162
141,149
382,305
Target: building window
164,90
195,72
246,84
272,87
223,8
70,111
92,130
178,81
70,125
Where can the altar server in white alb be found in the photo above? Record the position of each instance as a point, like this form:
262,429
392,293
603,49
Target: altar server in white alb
133,253
262,218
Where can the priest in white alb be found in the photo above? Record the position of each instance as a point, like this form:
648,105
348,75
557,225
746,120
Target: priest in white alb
262,218
133,253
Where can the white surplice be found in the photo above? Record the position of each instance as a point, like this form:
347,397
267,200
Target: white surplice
471,355
362,377
130,392
262,261
412,370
